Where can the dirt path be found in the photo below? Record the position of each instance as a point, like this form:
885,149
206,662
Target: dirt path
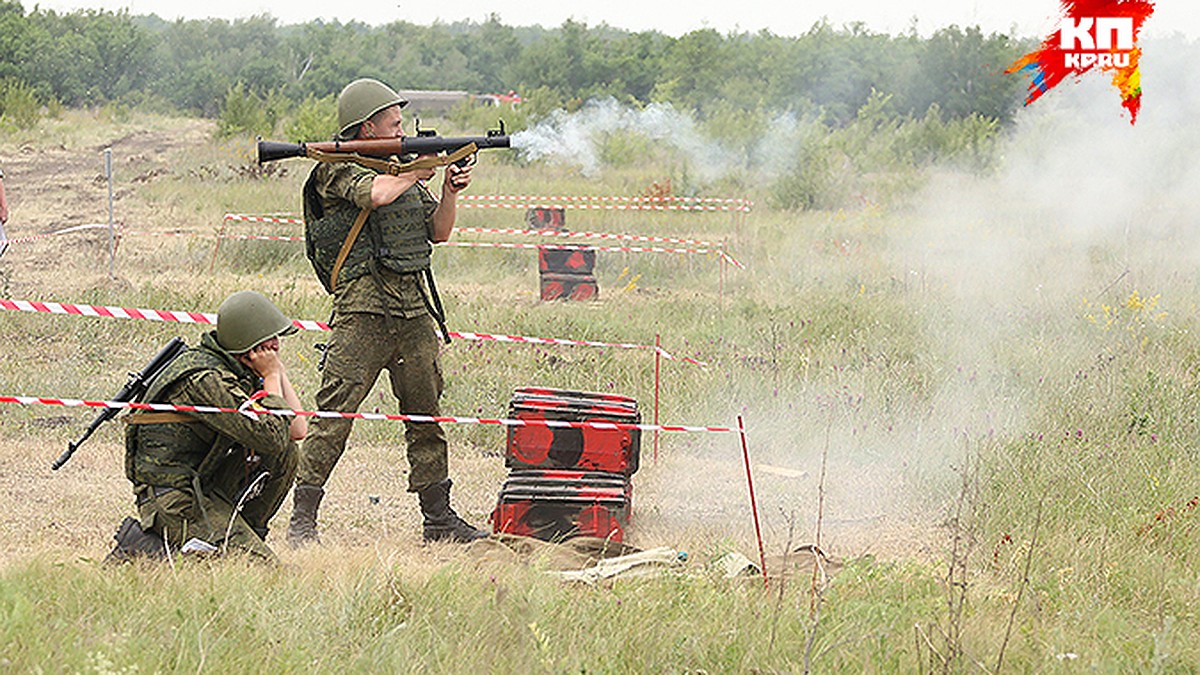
51,187
57,186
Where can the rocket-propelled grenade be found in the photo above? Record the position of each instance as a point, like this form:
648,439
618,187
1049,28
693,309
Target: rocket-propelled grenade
405,146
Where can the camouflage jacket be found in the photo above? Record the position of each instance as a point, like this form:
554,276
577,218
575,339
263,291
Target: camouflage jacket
377,275
174,453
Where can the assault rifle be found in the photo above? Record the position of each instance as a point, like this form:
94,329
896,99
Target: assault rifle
134,389
425,150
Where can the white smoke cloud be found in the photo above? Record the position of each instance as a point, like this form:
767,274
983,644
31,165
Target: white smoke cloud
1084,206
1081,205
574,137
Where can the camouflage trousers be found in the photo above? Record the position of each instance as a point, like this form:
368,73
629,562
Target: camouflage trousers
361,347
179,514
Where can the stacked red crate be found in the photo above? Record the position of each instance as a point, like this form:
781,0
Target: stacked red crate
564,273
569,481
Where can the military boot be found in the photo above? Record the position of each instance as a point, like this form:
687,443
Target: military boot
134,542
302,528
441,522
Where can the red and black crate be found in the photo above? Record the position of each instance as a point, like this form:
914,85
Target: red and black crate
569,481
577,260
546,218
577,287
590,448
554,507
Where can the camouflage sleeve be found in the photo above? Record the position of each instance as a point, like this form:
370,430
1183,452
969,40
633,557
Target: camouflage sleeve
265,434
350,182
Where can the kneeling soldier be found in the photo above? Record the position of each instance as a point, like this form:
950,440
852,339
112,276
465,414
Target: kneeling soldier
216,478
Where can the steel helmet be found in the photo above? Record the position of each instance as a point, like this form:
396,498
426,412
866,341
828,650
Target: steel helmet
247,319
360,100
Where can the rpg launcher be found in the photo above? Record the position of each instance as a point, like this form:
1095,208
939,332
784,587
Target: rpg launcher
133,390
425,150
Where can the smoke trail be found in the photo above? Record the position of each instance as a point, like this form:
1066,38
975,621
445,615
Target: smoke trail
575,137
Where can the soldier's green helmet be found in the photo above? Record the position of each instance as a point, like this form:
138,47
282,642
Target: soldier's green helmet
360,100
248,318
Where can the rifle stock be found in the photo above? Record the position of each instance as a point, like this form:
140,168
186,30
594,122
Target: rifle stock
134,388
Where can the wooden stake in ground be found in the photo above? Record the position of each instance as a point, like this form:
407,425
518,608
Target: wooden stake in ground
762,556
216,249
657,367
112,239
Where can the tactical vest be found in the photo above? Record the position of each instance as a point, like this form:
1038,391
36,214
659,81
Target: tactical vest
171,454
395,236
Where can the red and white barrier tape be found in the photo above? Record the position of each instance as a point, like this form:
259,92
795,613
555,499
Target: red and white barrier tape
574,343
172,233
585,235
601,198
211,319
565,201
264,219
624,249
487,244
131,313
486,230
35,237
592,207
440,419
261,237
497,244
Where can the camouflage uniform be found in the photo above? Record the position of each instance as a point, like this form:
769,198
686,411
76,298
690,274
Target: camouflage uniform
189,475
381,322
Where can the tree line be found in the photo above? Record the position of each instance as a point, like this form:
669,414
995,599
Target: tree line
91,57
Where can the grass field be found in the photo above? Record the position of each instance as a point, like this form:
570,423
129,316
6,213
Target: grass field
980,400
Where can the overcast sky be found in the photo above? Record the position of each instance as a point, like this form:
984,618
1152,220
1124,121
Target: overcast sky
1019,17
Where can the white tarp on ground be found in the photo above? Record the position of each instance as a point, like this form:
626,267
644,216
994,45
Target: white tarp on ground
592,560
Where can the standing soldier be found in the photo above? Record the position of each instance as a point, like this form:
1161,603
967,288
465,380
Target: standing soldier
369,236
217,478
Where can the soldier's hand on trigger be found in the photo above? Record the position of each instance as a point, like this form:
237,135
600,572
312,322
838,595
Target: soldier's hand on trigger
457,177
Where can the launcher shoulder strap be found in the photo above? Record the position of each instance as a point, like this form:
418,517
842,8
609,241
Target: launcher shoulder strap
348,244
392,167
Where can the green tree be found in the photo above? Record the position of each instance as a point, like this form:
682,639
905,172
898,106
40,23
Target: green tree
962,71
90,57
491,52
326,56
693,69
569,61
